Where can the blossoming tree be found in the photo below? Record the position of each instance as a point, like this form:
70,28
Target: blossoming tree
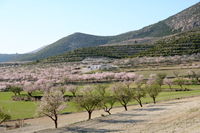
51,105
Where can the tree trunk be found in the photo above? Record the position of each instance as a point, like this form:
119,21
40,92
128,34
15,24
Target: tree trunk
170,87
140,104
3,120
89,113
125,107
74,94
154,100
181,87
108,112
30,94
56,124
56,121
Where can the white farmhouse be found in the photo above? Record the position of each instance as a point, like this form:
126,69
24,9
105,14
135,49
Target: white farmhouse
92,67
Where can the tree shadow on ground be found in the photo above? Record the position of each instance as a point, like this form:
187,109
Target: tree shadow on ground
150,106
177,102
66,113
80,130
149,109
114,121
122,114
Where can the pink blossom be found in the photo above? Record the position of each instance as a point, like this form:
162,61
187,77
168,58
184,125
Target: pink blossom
51,105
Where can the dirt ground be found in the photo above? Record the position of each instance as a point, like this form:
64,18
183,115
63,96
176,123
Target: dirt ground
179,116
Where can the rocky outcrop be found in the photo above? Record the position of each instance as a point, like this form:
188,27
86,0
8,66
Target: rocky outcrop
187,19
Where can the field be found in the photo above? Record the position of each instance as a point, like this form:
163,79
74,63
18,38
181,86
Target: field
28,108
56,76
178,115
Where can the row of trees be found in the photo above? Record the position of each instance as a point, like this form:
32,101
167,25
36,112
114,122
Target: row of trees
47,85
99,96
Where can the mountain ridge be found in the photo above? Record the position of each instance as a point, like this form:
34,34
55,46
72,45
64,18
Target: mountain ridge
184,20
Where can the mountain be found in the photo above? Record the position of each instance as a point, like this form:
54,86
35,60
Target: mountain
185,20
35,51
5,57
184,43
71,42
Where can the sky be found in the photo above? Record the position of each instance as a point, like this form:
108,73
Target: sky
26,25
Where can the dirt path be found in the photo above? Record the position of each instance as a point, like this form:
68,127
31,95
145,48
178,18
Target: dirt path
181,115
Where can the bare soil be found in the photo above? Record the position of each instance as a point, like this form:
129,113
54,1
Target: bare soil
179,116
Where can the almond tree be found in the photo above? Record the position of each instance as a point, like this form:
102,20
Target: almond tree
46,87
188,73
153,90
180,82
131,76
73,89
87,99
169,82
122,93
161,77
62,88
108,75
51,105
106,99
176,73
118,76
157,67
196,75
151,79
101,88
181,66
139,92
128,83
30,88
4,116
15,89
107,103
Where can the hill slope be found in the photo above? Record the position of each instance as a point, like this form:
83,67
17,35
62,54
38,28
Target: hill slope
187,19
5,57
35,51
183,43
71,42
180,44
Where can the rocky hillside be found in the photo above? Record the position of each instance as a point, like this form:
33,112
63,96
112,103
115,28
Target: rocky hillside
185,20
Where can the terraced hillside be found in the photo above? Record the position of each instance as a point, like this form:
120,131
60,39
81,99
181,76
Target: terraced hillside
117,51
181,44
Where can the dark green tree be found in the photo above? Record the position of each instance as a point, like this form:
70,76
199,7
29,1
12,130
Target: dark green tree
15,89
153,90
160,78
122,93
4,116
87,99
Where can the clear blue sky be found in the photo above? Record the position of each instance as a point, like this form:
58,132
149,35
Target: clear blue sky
30,24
